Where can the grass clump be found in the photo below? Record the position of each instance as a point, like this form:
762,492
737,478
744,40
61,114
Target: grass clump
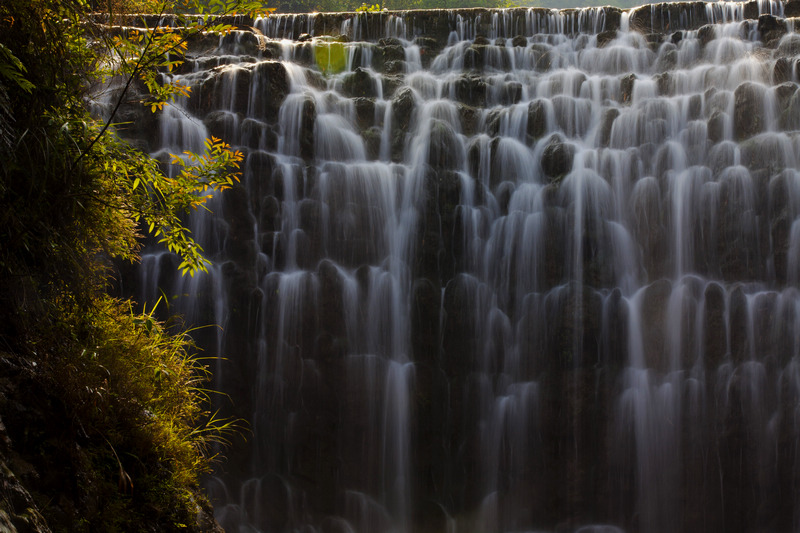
110,410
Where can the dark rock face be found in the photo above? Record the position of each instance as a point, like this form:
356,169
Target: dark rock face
748,115
359,84
557,157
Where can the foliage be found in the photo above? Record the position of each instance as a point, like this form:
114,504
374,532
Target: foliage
135,399
123,423
365,7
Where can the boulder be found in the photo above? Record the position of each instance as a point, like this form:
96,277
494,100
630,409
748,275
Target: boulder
557,157
537,119
791,8
445,147
748,113
470,89
603,38
771,29
359,84
403,105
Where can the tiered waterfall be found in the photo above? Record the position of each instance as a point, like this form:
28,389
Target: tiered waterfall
501,270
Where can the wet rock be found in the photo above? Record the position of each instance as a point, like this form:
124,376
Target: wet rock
425,320
503,193
649,229
359,84
308,118
782,71
557,157
365,112
395,67
471,90
258,135
603,38
791,8
316,80
739,316
716,127
445,147
403,105
784,97
372,142
270,215
664,83
667,60
19,512
764,152
706,34
271,78
425,42
737,245
655,339
428,49
544,62
473,57
781,219
511,93
574,342
391,82
222,124
606,124
771,29
136,125
695,107
240,238
392,50
654,41
242,43
519,41
615,355
537,119
751,10
658,17
626,88
789,46
312,225
613,18
789,117
714,326
492,121
748,113
459,333
331,318
336,525
470,116
232,89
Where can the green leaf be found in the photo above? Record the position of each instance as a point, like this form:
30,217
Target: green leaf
13,70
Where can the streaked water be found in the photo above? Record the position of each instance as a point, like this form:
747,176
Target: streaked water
541,276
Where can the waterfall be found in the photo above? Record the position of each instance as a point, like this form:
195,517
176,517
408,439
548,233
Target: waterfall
502,270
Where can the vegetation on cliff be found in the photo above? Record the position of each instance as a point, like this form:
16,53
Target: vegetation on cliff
104,417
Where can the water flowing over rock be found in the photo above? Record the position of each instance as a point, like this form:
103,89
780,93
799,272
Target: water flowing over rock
501,270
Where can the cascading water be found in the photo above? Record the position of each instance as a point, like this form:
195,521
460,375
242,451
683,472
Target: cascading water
503,270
